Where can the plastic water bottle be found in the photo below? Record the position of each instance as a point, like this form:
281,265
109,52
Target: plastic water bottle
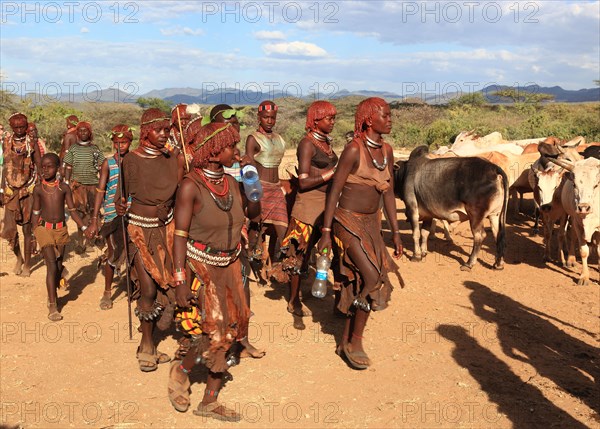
319,287
252,186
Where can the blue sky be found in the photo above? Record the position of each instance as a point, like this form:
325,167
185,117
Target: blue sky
322,46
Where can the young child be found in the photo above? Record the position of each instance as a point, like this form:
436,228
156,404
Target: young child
111,231
49,198
83,160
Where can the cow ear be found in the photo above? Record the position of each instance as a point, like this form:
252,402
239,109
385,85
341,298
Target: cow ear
396,167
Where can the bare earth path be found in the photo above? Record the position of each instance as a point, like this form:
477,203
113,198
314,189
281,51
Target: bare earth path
517,348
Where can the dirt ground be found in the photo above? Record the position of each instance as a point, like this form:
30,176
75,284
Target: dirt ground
497,349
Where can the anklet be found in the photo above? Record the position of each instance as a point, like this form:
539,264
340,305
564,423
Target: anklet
212,393
185,371
358,336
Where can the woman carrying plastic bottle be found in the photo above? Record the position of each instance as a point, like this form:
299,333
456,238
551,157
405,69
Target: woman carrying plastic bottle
363,179
316,165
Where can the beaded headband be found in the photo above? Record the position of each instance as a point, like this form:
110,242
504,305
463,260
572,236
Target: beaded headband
267,108
214,133
15,115
151,121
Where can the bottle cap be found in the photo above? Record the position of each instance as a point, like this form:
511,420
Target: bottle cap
324,252
248,168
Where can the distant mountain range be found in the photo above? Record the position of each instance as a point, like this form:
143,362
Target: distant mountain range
245,97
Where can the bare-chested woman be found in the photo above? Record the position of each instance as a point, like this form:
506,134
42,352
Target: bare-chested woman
49,199
363,178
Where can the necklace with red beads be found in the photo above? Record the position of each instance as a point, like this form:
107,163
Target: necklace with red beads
223,199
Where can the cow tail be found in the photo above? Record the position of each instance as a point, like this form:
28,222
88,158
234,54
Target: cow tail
501,239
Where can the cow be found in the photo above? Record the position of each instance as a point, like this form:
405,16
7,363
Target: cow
547,181
580,198
453,189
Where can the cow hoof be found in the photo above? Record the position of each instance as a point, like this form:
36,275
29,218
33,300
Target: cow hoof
416,259
465,268
498,267
583,282
534,232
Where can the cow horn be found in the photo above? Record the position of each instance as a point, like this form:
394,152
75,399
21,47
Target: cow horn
562,163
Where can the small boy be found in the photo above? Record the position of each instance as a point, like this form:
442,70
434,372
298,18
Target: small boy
83,161
111,231
49,198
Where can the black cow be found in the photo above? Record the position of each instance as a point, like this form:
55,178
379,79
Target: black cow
453,189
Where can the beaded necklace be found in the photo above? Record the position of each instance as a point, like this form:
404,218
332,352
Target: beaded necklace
223,199
54,184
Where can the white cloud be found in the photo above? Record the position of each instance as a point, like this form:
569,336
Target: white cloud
269,35
84,30
294,49
181,31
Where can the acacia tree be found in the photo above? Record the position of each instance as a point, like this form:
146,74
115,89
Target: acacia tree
150,102
520,96
471,99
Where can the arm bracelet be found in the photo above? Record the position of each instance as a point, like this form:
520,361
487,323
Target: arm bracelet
181,233
179,276
324,229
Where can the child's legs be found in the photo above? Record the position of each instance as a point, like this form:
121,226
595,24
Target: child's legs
27,243
60,259
52,272
109,271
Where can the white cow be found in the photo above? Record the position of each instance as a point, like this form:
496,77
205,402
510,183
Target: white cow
580,197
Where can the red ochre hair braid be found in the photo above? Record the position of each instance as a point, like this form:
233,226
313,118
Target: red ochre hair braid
366,110
219,136
317,111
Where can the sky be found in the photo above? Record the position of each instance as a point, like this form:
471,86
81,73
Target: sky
297,47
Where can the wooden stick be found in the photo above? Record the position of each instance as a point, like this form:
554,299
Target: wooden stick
187,166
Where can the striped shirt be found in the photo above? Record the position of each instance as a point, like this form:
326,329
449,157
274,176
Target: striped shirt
234,171
111,189
86,161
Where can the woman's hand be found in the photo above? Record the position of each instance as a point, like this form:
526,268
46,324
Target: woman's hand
324,242
184,295
398,249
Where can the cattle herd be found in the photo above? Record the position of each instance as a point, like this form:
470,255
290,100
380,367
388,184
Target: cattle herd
473,179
